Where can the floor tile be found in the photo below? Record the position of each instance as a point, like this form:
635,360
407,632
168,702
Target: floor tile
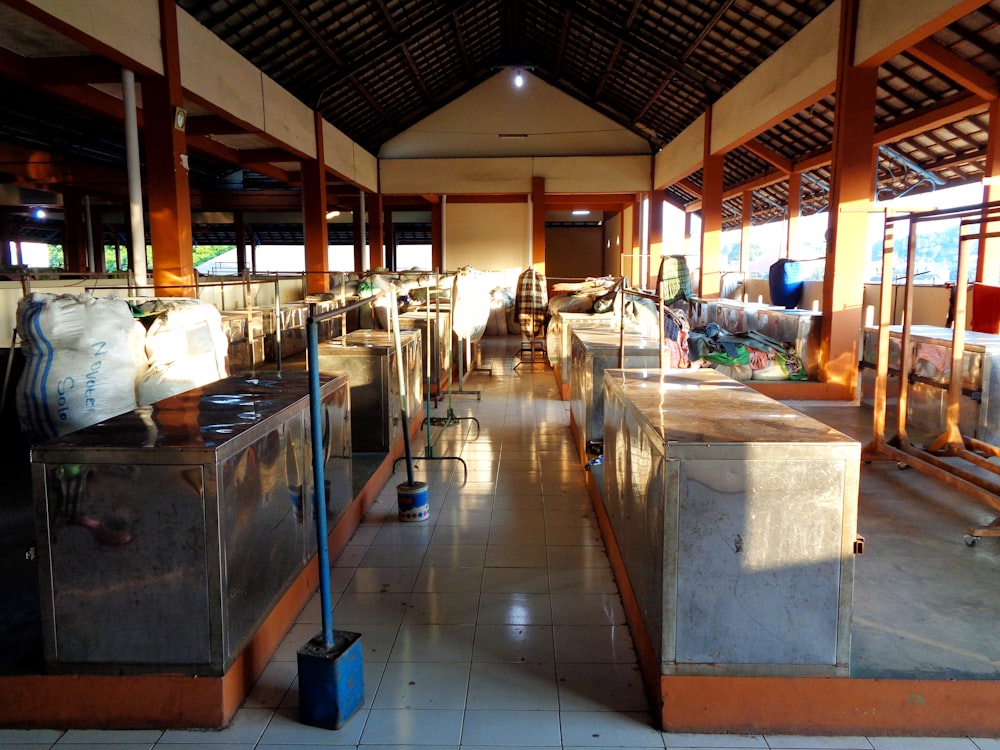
582,580
506,687
400,726
527,580
422,685
798,742
382,580
514,609
110,736
601,687
593,644
434,643
922,743
587,609
377,639
287,729
442,608
385,609
513,643
537,728
10,737
682,741
444,578
247,726
270,688
609,729
508,556
394,556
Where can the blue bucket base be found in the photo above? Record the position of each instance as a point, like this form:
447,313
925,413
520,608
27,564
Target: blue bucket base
412,500
331,680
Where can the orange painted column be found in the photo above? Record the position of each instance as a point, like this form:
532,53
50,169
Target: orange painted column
988,264
853,172
166,160
538,223
794,209
75,240
712,169
317,239
376,257
437,234
240,230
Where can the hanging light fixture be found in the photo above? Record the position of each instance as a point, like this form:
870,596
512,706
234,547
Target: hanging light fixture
518,79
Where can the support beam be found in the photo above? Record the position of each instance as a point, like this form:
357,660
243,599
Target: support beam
850,197
437,234
655,237
988,264
376,239
713,166
166,160
314,221
746,218
961,71
794,209
360,236
538,208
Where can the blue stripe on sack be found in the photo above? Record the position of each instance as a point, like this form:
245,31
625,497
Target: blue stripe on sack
31,369
44,419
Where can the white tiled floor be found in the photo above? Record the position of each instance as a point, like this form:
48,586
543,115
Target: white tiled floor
495,623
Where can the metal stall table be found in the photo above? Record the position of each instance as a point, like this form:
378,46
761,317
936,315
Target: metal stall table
800,328
167,534
559,336
245,331
930,376
435,331
593,352
736,520
369,359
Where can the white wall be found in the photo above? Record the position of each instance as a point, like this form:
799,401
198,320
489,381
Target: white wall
487,236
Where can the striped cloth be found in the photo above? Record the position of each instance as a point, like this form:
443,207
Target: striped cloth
676,279
531,303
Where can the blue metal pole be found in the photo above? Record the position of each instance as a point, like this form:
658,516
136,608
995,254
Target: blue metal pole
319,479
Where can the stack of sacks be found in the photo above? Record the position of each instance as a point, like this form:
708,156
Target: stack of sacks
186,348
82,355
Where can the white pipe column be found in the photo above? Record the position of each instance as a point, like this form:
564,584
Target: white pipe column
137,257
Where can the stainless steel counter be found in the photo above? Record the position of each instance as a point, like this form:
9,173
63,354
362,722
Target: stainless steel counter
801,328
593,352
167,534
736,519
559,336
436,335
369,358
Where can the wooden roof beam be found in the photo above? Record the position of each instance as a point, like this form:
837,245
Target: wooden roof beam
962,72
769,155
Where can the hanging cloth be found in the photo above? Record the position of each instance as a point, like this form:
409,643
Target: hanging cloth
531,303
675,277
470,304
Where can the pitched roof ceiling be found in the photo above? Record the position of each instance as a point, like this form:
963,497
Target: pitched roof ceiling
373,68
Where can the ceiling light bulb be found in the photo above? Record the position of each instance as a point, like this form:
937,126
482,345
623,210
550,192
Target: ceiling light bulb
332,214
518,79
